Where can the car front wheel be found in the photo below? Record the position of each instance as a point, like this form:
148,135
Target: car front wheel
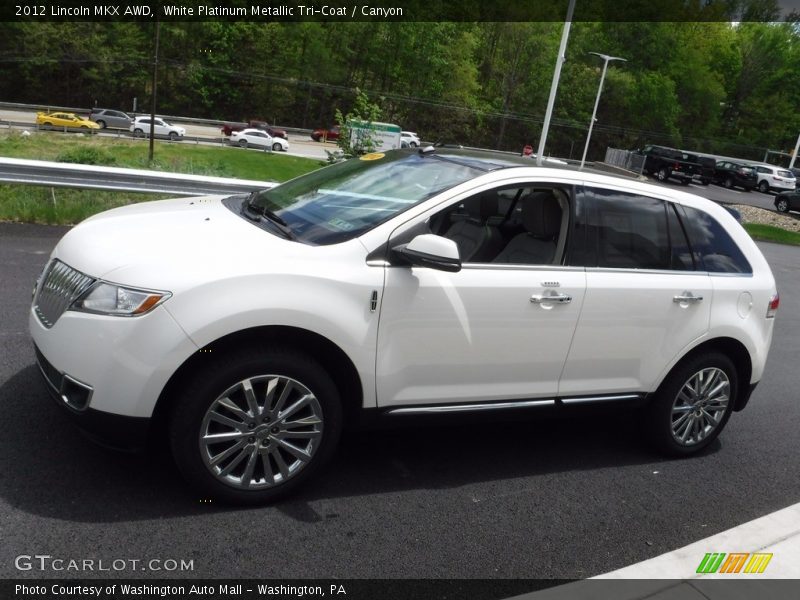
662,174
243,143
102,124
693,404
173,136
763,187
276,147
257,426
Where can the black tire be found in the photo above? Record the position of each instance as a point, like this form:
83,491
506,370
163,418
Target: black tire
782,205
243,143
276,147
705,181
659,413
763,186
138,132
662,174
173,136
728,183
412,144
216,381
101,123
685,181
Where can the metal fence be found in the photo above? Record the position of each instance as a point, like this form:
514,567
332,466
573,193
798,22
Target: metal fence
625,159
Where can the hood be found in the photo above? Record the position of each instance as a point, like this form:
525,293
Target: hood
174,244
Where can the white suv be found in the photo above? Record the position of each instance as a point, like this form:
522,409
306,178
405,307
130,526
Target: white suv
251,329
141,127
771,177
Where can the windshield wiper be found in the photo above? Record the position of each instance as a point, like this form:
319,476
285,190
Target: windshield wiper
264,215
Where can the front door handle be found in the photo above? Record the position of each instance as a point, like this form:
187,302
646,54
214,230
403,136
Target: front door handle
688,297
544,298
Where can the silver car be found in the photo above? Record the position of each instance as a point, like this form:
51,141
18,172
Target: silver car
116,119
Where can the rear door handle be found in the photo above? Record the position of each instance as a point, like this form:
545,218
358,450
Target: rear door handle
544,298
687,297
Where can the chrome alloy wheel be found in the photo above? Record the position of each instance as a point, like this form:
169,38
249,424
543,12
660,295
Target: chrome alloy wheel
261,432
700,406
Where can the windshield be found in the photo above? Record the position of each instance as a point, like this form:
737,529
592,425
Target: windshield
343,201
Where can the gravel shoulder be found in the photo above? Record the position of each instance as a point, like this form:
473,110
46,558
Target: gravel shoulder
760,216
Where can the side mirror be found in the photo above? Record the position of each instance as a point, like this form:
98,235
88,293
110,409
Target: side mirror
432,251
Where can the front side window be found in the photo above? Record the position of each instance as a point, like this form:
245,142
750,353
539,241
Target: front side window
512,225
345,200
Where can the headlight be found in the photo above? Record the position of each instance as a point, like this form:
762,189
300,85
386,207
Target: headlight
110,299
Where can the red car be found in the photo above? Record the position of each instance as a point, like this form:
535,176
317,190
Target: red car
331,134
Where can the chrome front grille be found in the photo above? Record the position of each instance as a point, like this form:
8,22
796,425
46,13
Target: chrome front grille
59,287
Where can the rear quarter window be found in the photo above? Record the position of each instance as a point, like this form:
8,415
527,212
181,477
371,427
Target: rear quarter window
714,249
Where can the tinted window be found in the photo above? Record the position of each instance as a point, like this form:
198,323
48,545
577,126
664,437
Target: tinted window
714,249
631,231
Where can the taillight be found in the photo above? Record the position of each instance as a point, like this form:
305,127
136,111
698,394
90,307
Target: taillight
774,303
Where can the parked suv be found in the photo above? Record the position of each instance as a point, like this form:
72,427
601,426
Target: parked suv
733,174
250,329
141,127
775,178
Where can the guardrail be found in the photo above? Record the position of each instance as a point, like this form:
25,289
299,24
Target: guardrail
54,174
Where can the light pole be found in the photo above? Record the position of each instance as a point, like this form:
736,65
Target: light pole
554,85
606,59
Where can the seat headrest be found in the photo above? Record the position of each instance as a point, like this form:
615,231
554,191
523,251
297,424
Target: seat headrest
483,205
541,214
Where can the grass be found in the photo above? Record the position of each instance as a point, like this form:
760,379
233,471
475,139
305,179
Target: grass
35,204
769,233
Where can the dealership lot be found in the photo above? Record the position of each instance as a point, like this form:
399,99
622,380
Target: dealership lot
558,499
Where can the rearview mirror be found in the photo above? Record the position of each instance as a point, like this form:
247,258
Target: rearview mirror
432,251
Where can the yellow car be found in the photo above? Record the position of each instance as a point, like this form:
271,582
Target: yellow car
64,119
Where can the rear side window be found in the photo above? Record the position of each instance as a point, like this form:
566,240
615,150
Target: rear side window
630,231
714,250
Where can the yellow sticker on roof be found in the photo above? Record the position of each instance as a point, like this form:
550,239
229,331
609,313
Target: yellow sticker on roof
373,156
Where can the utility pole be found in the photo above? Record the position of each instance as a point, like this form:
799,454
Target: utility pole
153,105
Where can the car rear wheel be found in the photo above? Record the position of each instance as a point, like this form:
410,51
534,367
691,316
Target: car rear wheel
693,404
101,123
662,174
728,183
243,143
276,147
763,187
255,425
782,205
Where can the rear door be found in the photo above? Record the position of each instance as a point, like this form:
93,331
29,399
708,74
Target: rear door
645,299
